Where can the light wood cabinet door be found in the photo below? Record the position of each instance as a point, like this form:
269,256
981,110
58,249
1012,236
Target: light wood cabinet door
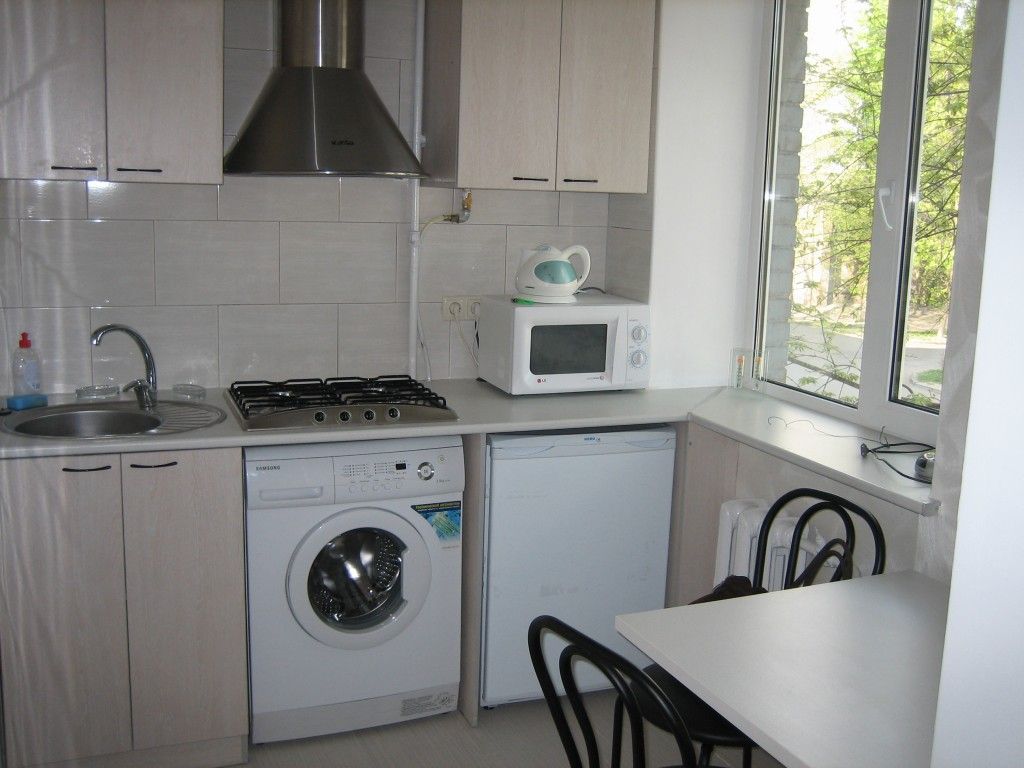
52,111
165,90
508,99
63,632
185,574
604,112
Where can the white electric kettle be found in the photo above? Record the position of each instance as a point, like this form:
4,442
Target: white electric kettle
547,276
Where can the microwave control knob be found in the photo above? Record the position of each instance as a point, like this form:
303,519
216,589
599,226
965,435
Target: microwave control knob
638,359
639,333
425,470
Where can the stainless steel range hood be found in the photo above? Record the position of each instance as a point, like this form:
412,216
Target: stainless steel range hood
319,114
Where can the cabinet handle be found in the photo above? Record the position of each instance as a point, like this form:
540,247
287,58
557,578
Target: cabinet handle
89,469
154,466
73,168
581,181
529,178
141,170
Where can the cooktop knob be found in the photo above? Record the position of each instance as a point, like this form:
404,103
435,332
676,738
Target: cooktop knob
425,470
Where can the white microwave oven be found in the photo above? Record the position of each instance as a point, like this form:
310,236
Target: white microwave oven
597,342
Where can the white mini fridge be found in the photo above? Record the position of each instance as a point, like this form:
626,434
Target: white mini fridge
576,526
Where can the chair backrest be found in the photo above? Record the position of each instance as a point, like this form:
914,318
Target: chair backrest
629,682
839,549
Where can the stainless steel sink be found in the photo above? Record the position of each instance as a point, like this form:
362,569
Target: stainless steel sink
111,419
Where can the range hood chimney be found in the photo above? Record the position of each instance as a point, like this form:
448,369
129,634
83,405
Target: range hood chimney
318,113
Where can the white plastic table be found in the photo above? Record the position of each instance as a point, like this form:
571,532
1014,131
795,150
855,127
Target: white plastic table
834,675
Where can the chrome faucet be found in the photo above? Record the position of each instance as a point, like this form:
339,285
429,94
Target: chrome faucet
145,389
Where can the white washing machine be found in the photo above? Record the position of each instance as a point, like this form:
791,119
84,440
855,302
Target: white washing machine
354,560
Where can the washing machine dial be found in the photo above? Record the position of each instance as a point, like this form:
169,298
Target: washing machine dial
425,470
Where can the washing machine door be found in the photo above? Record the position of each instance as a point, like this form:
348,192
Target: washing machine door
359,578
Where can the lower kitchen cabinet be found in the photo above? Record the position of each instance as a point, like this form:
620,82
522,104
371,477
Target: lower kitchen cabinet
185,571
63,644
122,609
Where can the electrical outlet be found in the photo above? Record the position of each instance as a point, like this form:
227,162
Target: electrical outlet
460,307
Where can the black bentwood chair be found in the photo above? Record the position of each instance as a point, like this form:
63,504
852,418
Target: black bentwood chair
708,727
628,681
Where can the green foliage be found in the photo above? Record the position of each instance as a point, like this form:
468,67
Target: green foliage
931,376
837,189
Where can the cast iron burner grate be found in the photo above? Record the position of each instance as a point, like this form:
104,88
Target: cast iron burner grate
346,401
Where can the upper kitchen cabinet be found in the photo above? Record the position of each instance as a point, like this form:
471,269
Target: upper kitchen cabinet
126,90
52,90
165,76
539,94
604,95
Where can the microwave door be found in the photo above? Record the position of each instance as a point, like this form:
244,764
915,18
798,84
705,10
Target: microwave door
561,350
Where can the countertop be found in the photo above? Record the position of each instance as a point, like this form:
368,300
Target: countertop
481,408
822,444
814,441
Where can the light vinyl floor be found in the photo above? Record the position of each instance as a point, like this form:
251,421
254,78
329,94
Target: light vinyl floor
511,736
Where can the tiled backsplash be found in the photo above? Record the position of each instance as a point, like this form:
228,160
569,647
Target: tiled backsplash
263,277
308,277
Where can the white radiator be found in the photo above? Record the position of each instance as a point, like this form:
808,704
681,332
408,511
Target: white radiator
739,523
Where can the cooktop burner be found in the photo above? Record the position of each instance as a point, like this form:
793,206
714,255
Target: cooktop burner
343,402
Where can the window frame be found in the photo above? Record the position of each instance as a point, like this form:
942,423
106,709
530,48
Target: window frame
903,89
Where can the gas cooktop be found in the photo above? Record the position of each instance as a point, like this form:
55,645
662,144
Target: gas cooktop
343,402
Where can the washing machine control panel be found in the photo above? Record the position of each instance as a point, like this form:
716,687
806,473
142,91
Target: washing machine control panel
395,475
276,478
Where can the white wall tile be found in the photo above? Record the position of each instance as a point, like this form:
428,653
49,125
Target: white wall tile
264,198
138,200
5,355
630,211
436,336
456,259
374,200
525,238
496,206
216,262
462,364
405,96
61,339
372,339
385,76
23,199
183,340
629,263
249,24
435,201
87,263
337,263
245,73
278,342
10,263
390,29
582,209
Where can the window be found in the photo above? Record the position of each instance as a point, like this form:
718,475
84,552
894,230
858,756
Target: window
866,139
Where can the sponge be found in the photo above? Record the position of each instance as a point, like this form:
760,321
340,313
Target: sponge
22,402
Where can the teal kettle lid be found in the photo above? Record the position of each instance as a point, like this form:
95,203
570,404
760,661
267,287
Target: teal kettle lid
556,272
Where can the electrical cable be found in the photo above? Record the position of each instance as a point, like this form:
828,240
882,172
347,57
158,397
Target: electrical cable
902,447
884,447
466,344
821,431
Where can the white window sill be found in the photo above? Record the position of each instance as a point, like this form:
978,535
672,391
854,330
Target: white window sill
819,443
